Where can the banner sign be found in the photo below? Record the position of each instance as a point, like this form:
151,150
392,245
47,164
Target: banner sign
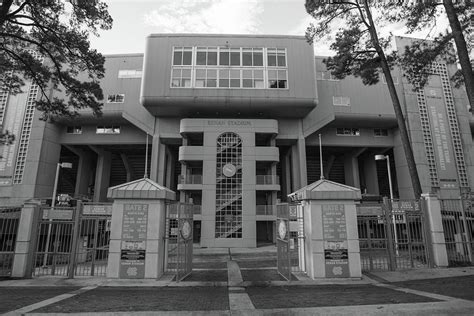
336,255
133,247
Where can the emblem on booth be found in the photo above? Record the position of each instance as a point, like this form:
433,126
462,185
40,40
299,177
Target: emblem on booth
186,230
282,230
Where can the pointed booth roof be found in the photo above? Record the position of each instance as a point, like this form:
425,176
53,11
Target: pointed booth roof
141,189
326,190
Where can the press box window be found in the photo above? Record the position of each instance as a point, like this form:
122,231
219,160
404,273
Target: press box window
341,101
115,98
347,132
277,79
182,56
181,78
130,74
380,132
276,57
252,57
108,130
206,56
74,129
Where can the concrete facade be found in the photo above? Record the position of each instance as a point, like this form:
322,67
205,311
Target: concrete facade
189,94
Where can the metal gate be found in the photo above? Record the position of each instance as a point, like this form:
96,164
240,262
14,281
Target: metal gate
179,240
73,241
92,249
9,222
393,237
290,238
55,236
458,226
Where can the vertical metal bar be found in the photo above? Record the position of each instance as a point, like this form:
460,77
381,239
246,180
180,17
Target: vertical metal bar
53,255
466,235
409,236
94,245
75,236
387,209
426,230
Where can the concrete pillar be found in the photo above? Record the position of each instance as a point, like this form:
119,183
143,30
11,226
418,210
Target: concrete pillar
102,175
351,170
25,240
370,175
84,173
436,231
155,150
302,161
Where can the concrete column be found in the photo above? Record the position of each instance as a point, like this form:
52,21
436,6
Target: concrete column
438,243
351,171
25,240
84,173
370,175
102,175
302,161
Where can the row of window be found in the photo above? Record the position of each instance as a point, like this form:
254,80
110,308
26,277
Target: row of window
229,78
224,56
115,98
99,129
130,74
326,75
378,132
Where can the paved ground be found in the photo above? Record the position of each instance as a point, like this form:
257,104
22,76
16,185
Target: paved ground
245,282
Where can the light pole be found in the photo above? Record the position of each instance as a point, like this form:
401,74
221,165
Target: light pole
66,165
387,157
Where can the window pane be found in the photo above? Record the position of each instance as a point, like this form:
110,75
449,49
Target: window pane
212,58
282,84
175,83
235,58
272,84
212,73
272,74
177,58
271,59
247,59
201,58
200,73
187,83
247,83
224,73
223,58
281,60
235,83
259,84
246,73
186,73
176,73
282,74
258,59
235,74
187,58
199,83
258,74
211,83
224,83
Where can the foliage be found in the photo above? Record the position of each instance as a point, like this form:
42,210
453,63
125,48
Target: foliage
361,52
58,32
424,15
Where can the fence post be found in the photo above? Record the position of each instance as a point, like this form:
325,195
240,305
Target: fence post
427,237
23,261
75,237
436,231
387,203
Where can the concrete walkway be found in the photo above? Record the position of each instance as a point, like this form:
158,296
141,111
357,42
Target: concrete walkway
242,291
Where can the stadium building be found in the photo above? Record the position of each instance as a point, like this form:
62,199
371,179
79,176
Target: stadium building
231,123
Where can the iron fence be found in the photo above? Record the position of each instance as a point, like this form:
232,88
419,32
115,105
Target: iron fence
458,225
9,222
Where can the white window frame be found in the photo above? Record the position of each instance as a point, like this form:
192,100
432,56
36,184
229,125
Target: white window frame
338,101
130,74
347,131
113,129
112,98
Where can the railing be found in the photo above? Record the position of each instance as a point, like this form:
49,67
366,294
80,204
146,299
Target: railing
9,223
191,179
267,179
265,210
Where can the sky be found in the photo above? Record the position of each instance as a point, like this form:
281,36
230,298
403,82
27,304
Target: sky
134,20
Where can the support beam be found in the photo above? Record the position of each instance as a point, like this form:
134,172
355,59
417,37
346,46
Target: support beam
102,174
128,167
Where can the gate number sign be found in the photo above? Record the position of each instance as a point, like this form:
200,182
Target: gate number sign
336,255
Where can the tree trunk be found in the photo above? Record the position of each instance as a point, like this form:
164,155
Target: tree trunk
462,51
415,180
